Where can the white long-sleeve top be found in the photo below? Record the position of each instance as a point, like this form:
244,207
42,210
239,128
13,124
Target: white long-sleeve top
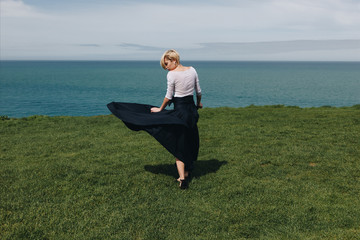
182,83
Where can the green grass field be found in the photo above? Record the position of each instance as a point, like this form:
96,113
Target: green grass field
269,172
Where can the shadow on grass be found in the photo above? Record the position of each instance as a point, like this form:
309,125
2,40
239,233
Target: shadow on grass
201,168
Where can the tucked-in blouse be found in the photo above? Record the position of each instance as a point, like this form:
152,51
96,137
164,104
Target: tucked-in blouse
182,83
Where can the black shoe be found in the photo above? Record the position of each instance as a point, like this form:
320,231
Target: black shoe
183,184
189,176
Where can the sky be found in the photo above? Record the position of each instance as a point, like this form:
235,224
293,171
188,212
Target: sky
245,30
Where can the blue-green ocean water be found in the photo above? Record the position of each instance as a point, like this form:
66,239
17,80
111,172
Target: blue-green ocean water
83,88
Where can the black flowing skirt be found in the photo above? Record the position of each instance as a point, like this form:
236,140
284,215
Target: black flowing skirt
175,129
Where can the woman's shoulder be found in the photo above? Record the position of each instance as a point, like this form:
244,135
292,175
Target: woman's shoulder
190,68
181,70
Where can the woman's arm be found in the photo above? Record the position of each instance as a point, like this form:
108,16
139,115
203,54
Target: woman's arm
198,101
163,105
198,91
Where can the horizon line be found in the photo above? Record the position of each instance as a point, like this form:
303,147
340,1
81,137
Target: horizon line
149,60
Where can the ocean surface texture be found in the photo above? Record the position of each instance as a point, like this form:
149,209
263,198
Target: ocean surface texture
83,88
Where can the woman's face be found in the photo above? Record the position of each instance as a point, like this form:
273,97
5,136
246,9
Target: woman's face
170,65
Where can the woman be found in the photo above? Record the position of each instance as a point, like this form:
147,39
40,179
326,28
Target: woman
175,129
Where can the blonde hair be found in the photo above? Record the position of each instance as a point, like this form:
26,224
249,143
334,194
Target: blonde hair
171,55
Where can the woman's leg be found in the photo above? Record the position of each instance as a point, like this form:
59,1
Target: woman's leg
181,169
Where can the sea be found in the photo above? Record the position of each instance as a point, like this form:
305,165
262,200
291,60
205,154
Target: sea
83,88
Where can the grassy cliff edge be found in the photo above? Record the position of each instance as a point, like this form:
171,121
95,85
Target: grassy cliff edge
269,172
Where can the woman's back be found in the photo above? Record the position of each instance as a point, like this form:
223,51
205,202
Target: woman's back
182,83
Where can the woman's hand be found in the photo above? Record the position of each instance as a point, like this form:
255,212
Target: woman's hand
163,105
199,106
155,109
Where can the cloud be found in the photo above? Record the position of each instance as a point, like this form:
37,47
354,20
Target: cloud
139,47
299,50
17,8
87,45
314,50
264,27
282,46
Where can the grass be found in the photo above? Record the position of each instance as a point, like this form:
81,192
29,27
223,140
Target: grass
269,172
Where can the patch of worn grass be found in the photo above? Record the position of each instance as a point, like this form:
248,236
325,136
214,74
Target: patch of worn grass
270,172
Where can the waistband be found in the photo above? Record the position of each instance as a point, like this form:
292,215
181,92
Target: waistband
183,100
